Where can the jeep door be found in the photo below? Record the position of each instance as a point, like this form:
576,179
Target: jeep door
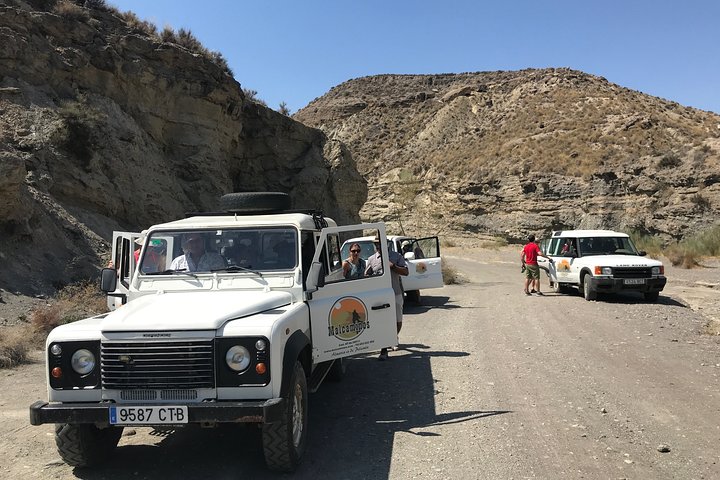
123,259
424,265
349,316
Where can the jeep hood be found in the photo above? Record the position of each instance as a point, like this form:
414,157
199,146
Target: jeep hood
623,261
190,311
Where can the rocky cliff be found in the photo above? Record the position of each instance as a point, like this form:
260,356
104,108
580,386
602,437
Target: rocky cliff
104,127
509,153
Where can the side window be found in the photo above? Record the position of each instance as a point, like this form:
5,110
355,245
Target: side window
122,261
554,248
333,265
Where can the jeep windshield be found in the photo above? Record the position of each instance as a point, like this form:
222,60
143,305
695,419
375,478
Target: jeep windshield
606,246
252,250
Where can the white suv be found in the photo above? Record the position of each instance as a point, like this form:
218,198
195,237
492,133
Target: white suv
421,254
599,261
240,332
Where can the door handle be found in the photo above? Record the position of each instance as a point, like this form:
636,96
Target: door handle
380,307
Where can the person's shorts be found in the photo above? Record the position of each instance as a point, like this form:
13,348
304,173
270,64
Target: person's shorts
532,271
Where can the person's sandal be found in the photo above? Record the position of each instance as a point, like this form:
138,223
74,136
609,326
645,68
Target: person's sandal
527,293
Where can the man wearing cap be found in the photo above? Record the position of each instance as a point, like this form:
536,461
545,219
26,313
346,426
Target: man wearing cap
397,267
195,257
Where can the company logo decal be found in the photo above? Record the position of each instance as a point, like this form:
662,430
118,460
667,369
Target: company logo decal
348,319
421,267
563,266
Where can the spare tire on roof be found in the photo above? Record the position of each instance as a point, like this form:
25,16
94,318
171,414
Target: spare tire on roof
255,202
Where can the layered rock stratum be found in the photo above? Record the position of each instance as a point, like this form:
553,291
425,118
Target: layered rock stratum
104,127
505,154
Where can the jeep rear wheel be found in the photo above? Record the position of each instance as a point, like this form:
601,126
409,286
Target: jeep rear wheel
85,445
284,442
588,292
413,296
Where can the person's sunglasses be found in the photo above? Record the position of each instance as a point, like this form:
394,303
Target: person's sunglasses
354,251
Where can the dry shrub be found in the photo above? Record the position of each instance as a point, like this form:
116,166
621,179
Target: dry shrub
14,347
681,257
74,302
495,244
67,9
450,275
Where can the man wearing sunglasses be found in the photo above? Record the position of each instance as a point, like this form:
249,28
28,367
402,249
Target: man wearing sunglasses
398,267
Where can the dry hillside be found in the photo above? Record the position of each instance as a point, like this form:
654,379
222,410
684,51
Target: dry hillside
507,153
106,126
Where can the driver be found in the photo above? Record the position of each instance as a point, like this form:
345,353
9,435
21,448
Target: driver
195,258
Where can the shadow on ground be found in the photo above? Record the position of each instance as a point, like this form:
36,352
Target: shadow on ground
352,428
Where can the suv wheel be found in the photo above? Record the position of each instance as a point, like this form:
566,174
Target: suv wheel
651,296
284,442
85,445
413,296
588,292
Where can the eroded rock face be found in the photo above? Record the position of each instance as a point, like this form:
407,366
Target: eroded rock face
103,128
511,153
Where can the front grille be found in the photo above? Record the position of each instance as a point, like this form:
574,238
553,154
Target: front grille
179,365
629,272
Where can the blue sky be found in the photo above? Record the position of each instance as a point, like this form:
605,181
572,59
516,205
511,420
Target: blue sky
295,51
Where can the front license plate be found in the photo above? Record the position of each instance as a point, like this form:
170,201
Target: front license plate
634,281
156,415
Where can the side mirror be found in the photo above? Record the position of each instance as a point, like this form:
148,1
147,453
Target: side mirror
108,280
642,253
315,278
410,256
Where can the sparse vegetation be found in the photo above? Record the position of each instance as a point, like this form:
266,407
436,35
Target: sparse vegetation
688,252
669,160
701,202
494,244
450,275
72,303
14,347
283,108
648,243
70,10
252,95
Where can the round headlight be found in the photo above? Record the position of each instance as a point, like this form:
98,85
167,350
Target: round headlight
56,349
83,361
606,271
260,344
237,358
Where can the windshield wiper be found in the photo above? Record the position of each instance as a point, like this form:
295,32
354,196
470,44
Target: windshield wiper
236,268
171,271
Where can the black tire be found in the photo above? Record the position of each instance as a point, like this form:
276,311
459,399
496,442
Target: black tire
337,371
413,296
587,291
85,445
651,296
284,442
255,202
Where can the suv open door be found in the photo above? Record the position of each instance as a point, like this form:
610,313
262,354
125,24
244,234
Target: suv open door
424,265
348,317
124,263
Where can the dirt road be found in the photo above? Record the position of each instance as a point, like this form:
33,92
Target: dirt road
488,384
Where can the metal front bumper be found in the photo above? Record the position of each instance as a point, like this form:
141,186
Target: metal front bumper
614,285
263,411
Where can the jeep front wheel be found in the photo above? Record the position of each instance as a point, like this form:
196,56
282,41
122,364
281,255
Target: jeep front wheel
284,442
588,292
651,296
85,445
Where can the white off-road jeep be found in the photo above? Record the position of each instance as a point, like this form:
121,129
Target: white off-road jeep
421,254
599,261
220,318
